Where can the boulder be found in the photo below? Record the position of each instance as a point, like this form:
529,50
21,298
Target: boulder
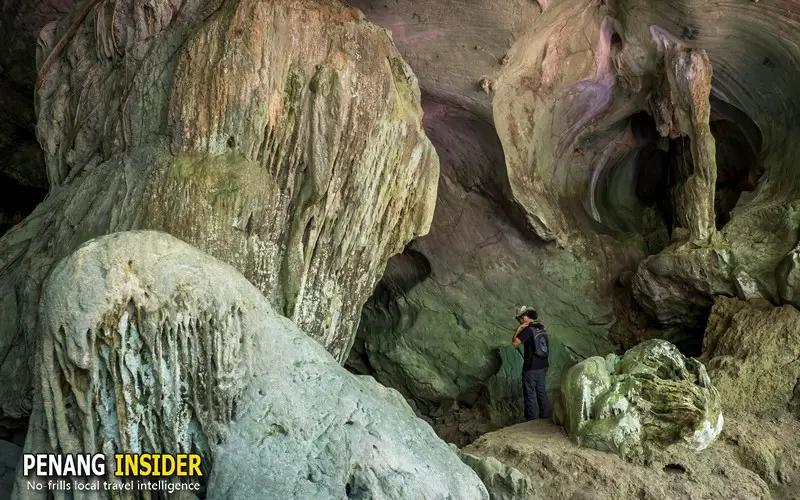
752,352
676,286
646,401
284,138
150,345
502,481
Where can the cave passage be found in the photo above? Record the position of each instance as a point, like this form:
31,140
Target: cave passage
16,202
664,164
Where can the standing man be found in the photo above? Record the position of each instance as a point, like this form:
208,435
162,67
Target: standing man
532,335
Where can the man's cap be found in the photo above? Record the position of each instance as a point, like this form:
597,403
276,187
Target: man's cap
522,310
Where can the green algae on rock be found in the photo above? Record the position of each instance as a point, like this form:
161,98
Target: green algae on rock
150,345
651,397
284,138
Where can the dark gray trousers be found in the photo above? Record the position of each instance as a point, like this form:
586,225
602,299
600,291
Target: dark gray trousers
535,394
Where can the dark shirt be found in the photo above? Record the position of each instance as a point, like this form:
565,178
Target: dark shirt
532,361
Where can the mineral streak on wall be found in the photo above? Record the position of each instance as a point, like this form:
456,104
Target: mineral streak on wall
282,137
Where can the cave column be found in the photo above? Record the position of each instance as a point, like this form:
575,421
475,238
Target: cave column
682,108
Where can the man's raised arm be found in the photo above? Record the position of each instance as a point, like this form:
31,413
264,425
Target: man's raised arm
515,339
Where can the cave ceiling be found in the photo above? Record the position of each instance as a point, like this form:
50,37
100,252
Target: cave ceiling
615,163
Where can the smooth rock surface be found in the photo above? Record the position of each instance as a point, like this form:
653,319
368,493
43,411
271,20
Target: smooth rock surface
150,345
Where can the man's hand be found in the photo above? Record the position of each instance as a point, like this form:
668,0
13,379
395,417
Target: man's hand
514,339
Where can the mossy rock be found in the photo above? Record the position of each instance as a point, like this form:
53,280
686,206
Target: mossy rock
652,397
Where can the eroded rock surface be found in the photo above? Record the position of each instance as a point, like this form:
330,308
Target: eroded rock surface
284,138
150,345
652,397
21,158
553,467
622,176
752,351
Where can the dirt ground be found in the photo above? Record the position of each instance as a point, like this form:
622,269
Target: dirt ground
558,469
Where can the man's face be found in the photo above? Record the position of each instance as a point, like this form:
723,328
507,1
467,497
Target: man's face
523,320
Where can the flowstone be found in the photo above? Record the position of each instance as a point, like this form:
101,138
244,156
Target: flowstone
651,397
150,345
284,138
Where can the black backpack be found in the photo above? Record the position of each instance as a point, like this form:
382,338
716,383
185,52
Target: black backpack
540,341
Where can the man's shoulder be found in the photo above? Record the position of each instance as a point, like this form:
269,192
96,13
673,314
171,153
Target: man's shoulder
529,331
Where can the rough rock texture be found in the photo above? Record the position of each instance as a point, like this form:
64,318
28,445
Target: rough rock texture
282,137
21,159
10,455
652,397
768,446
23,178
753,348
150,345
554,468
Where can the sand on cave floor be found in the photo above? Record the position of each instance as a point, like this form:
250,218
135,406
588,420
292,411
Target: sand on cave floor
559,469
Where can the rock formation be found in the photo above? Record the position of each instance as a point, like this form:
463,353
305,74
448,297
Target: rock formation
23,178
548,465
151,346
651,397
619,174
626,166
233,126
751,350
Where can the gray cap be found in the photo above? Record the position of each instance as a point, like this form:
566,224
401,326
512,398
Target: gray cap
522,310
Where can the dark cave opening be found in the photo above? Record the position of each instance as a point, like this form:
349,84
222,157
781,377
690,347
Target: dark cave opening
16,202
403,272
663,163
674,469
737,170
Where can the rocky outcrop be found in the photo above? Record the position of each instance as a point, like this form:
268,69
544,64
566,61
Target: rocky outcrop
23,177
554,468
22,162
652,397
284,138
150,345
502,481
10,455
752,350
